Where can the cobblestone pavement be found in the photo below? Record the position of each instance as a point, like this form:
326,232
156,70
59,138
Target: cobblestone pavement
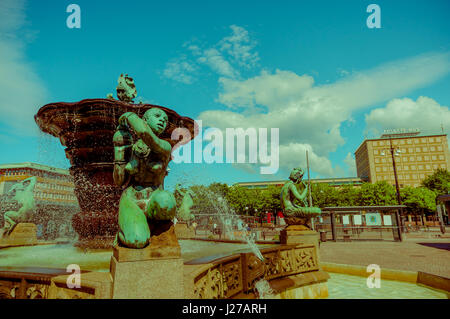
427,255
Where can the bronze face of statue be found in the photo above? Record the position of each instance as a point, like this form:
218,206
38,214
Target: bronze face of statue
140,165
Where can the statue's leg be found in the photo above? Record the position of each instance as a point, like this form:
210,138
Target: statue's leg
306,212
10,222
133,227
162,205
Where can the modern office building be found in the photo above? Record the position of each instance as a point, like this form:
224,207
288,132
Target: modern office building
416,157
53,194
54,185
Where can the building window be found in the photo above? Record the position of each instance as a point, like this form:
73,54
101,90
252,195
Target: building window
417,149
425,149
443,166
426,158
419,158
441,157
409,141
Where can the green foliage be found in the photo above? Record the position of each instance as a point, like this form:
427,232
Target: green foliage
348,195
206,197
439,182
379,193
418,200
323,195
257,201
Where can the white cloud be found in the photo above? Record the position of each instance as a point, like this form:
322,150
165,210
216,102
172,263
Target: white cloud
311,116
180,70
214,59
424,113
239,46
351,164
222,58
21,89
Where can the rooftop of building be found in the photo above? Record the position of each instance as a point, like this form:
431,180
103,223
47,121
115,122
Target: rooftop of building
387,135
330,180
36,166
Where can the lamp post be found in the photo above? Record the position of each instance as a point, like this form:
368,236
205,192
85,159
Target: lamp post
396,152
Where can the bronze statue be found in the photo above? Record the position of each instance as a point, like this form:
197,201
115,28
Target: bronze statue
21,192
140,166
290,196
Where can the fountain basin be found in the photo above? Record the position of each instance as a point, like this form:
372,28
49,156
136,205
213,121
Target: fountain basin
211,270
86,129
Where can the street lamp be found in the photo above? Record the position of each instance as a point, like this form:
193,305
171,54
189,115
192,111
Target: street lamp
394,152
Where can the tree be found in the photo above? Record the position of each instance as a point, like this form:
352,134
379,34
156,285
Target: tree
439,182
348,195
418,200
271,199
379,193
323,195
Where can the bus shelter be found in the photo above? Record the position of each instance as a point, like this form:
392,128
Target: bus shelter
361,223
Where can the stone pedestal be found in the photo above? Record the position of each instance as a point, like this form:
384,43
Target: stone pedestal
137,275
154,272
299,234
23,234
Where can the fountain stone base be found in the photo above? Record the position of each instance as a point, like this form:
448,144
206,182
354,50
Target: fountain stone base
143,273
154,278
299,234
23,234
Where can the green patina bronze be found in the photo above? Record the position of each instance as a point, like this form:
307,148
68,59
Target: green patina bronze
22,193
140,166
290,196
184,211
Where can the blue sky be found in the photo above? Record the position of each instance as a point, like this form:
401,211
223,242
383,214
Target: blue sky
311,68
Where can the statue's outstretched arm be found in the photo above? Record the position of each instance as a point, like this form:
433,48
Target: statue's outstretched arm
143,131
